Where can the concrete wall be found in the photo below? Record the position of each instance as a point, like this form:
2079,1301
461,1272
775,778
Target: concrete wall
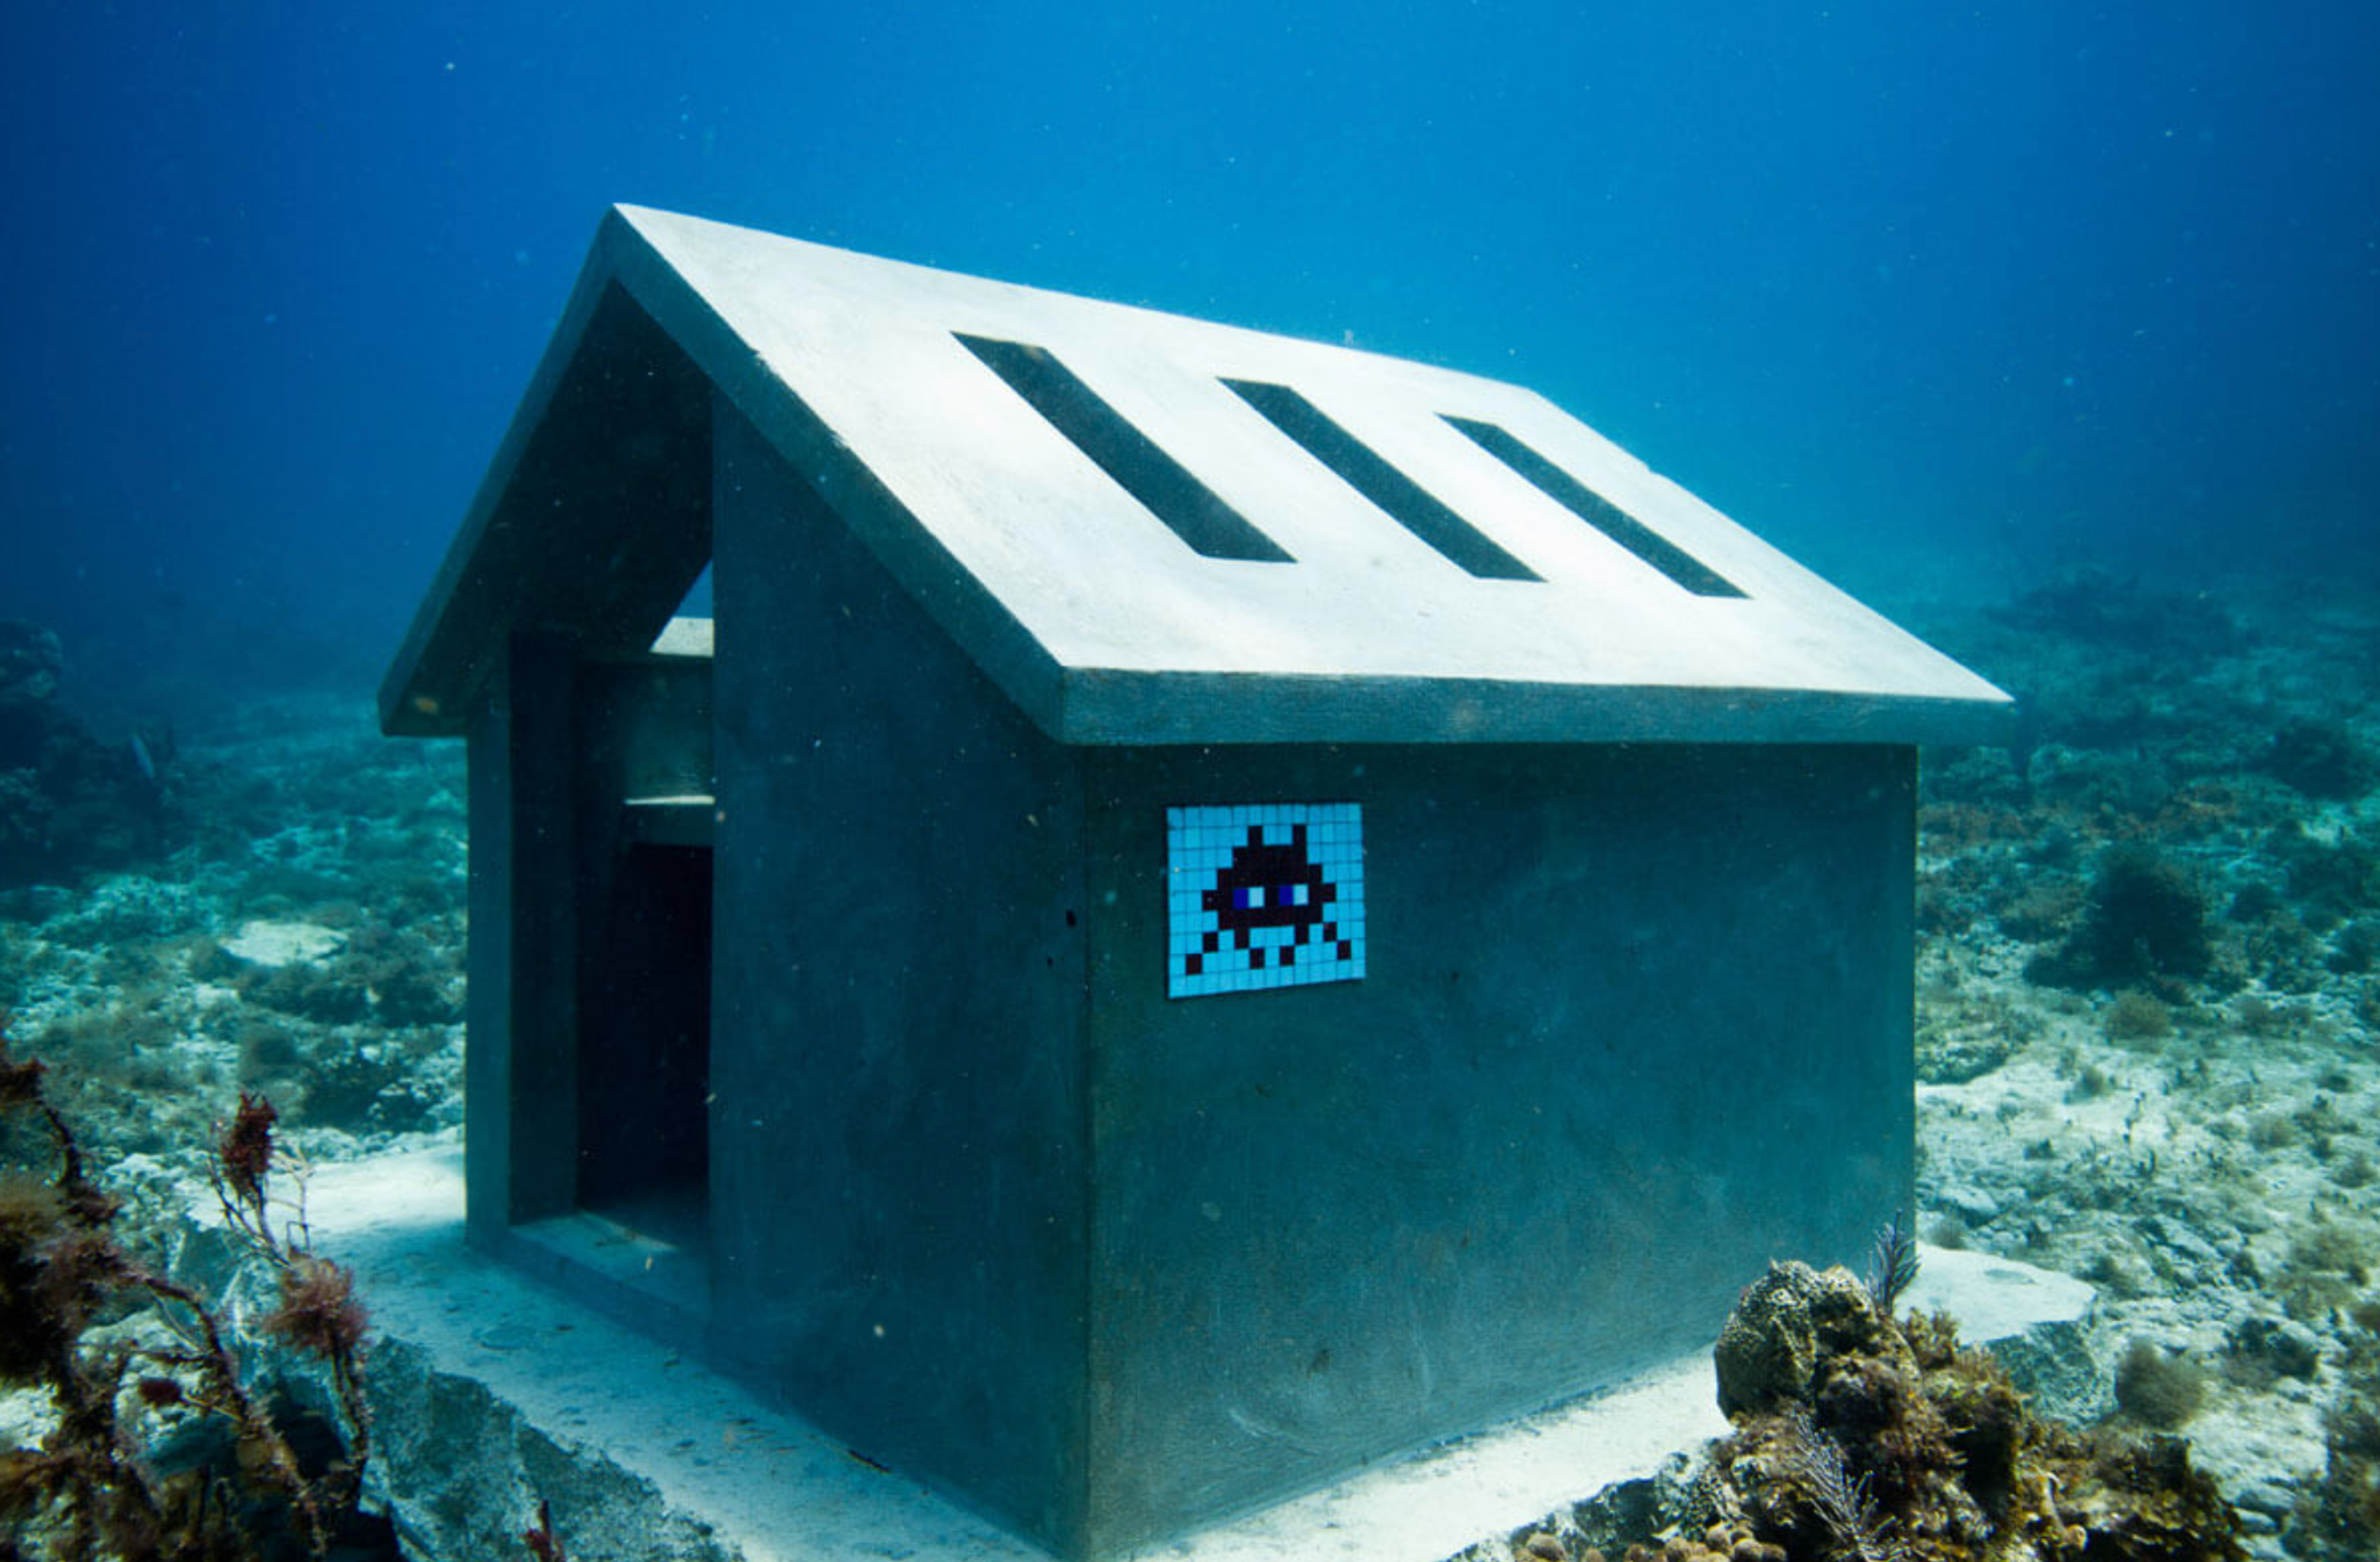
520,1070
1635,1021
900,1183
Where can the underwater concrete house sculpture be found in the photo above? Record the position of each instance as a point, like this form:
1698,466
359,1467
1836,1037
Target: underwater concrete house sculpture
1214,908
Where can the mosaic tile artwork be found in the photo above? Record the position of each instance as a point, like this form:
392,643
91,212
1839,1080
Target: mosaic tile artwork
1263,895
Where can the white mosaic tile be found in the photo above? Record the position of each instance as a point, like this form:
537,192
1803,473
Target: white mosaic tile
1263,895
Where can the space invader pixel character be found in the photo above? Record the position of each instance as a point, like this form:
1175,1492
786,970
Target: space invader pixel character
1263,895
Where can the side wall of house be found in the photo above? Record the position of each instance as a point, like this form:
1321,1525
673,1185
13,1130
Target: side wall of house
1633,1021
898,1122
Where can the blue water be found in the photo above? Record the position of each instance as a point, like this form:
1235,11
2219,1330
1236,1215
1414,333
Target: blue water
1885,281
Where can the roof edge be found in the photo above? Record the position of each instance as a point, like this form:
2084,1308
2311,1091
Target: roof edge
1119,707
485,589
406,708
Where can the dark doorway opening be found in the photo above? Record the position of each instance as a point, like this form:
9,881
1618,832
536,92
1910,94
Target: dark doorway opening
644,1058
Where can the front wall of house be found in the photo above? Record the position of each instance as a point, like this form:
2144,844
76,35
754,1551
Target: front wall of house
1632,1022
896,1134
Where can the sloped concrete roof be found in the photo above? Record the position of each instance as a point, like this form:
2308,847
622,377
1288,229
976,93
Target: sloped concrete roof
1148,528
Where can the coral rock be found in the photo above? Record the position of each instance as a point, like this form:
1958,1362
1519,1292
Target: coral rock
1785,1324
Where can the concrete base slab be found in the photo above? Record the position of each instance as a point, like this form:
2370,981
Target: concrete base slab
491,1392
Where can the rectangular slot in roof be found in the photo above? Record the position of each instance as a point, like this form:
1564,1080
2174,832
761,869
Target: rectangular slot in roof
1364,469
1166,487
1597,510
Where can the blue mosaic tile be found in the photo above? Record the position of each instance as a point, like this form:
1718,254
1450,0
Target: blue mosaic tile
1263,895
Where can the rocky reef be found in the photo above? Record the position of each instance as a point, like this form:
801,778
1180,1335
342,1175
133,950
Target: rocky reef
1860,1438
2341,1512
69,803
142,1425
2148,1007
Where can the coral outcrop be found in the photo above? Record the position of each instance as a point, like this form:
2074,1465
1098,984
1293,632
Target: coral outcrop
1862,1438
2144,923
